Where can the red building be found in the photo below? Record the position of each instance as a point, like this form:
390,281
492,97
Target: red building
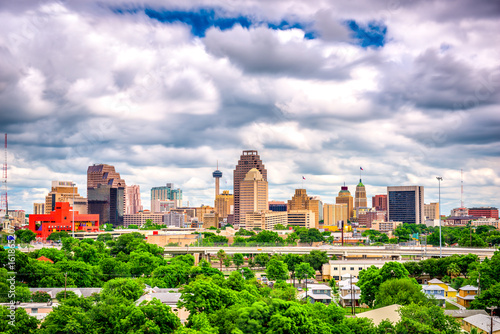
365,218
61,219
379,202
488,212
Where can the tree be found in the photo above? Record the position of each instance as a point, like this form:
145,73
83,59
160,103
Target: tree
393,270
316,259
25,236
221,255
426,319
65,295
18,323
292,260
105,237
238,260
40,297
123,288
490,297
247,273
403,291
262,259
369,282
133,227
453,270
276,270
227,261
58,236
305,271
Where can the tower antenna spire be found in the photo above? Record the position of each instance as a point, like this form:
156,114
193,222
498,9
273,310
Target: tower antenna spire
4,199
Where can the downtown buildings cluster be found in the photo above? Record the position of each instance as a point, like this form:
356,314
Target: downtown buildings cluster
111,201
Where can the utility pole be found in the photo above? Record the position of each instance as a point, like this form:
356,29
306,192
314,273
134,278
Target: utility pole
65,279
491,308
353,309
73,225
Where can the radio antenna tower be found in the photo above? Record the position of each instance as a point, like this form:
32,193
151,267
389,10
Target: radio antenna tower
4,199
462,188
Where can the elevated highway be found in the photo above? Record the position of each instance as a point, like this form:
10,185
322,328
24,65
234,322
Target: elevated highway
341,252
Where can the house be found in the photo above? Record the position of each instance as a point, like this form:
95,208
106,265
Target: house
463,313
80,292
466,295
384,313
37,310
482,323
349,295
319,293
348,281
45,259
449,292
435,291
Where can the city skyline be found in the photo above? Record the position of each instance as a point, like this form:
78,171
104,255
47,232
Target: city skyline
162,90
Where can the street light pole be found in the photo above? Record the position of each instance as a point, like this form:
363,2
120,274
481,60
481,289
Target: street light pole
439,178
73,222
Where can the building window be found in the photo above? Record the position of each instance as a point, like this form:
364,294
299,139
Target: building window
360,268
352,268
335,268
343,268
34,310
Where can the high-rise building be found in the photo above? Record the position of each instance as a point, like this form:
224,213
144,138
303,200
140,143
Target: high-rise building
217,174
379,202
133,200
163,206
365,218
332,214
431,211
62,191
248,160
224,204
301,201
166,193
106,194
487,212
360,201
253,192
406,204
175,219
345,197
38,208
459,212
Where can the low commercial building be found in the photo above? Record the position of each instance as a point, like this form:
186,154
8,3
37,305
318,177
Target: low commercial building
338,269
61,219
265,220
384,226
182,240
174,219
303,218
37,310
140,218
486,221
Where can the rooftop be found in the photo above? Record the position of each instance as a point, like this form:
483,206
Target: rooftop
389,312
468,288
483,322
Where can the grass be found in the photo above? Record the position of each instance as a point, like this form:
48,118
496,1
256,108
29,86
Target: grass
450,307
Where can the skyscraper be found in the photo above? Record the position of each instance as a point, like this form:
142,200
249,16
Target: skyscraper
224,204
106,194
248,160
253,194
165,193
379,202
301,201
133,200
360,201
62,191
345,197
406,204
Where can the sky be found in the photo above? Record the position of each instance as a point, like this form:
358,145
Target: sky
163,90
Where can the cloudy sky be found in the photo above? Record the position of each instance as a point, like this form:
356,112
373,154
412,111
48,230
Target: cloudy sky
162,89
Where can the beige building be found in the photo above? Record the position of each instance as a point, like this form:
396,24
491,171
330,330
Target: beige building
141,217
301,201
38,208
303,218
62,191
384,227
332,214
210,219
253,194
345,197
265,220
360,201
431,211
182,240
202,210
486,221
224,204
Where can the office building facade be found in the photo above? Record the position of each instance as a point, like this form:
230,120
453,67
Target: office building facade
379,202
166,193
65,191
253,192
248,160
406,204
360,196
302,218
345,197
224,204
301,201
333,214
431,211
106,194
133,200
487,212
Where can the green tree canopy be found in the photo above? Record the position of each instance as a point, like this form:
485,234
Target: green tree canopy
276,270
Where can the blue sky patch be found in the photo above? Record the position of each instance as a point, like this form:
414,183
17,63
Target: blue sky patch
372,34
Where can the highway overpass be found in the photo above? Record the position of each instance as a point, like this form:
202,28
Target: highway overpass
341,252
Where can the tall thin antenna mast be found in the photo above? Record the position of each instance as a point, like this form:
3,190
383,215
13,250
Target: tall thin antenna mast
462,188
